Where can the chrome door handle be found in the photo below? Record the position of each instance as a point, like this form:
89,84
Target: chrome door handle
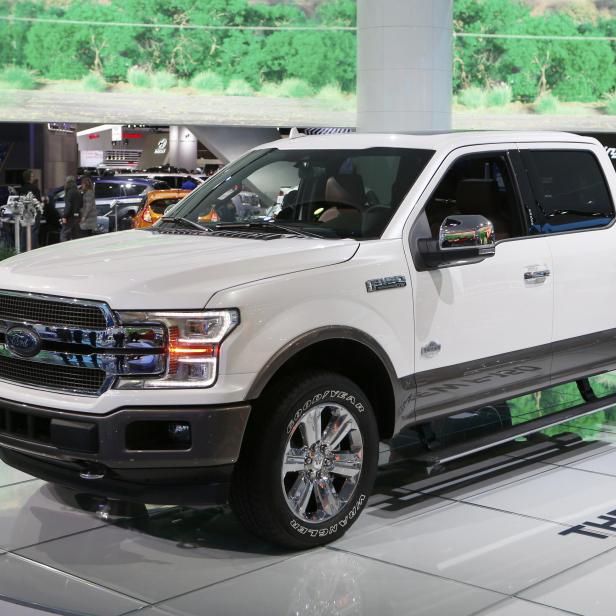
536,275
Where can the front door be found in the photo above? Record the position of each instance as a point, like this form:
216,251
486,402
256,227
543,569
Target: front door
482,330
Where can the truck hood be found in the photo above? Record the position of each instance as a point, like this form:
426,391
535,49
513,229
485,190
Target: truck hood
140,270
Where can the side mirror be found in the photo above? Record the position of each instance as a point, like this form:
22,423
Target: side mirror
461,239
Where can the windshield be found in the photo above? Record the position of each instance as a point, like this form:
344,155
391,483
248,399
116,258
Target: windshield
327,193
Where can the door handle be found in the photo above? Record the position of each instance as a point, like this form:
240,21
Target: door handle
538,275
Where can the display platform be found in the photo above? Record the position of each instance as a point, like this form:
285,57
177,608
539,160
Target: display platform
526,530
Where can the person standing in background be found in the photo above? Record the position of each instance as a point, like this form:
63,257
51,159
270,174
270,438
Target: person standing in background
29,185
73,202
88,212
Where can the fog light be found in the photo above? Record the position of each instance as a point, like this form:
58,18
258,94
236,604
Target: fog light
180,433
158,435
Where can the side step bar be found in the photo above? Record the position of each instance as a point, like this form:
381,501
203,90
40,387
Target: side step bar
436,458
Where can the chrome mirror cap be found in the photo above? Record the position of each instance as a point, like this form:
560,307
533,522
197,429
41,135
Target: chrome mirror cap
466,231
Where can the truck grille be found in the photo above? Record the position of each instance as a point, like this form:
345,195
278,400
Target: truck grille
83,381
49,312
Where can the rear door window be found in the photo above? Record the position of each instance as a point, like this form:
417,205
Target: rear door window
570,190
160,205
134,190
107,190
171,181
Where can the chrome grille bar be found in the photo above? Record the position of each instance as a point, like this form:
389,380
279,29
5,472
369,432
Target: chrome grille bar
52,310
81,353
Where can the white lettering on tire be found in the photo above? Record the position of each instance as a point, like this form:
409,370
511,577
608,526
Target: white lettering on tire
341,395
324,532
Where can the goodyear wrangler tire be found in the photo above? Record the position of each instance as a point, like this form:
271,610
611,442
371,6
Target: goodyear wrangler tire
308,461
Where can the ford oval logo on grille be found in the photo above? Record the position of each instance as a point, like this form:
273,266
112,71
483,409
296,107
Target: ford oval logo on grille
23,341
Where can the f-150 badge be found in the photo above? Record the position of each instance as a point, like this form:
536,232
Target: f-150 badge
430,349
381,284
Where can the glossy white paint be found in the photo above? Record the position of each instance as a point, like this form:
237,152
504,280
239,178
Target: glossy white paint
287,287
136,270
229,388
277,310
480,309
584,268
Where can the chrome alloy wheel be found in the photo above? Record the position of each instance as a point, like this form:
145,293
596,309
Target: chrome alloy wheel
322,462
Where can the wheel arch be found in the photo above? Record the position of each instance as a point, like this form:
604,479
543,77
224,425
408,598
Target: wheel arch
349,352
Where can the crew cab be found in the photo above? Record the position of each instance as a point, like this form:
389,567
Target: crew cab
406,278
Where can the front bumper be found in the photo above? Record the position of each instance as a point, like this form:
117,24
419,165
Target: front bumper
131,450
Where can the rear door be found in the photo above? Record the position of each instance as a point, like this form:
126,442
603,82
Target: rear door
105,193
573,190
482,330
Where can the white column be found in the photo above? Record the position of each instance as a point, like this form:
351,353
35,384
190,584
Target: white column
404,64
182,147
229,142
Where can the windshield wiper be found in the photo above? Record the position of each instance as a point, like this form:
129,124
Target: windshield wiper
186,222
274,226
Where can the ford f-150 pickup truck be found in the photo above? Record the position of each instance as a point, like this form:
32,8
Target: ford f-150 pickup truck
404,278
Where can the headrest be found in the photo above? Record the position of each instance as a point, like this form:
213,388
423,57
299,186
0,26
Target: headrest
476,196
346,189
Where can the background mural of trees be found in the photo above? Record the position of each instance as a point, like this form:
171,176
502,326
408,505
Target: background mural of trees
72,51
570,70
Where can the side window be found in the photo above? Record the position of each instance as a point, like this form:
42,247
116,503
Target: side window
170,180
134,190
107,190
478,184
569,189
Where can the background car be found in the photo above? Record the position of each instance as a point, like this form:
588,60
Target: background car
174,180
127,193
157,201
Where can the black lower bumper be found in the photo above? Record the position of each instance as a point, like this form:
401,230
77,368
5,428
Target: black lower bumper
175,486
158,455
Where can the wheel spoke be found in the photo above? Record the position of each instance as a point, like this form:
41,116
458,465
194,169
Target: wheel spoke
322,462
310,426
337,428
300,494
327,497
346,464
293,461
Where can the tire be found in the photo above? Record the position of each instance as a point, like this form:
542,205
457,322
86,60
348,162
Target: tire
327,493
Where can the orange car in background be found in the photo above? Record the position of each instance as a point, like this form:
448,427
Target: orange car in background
157,201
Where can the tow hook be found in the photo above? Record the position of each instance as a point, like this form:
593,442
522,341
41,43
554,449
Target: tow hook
93,471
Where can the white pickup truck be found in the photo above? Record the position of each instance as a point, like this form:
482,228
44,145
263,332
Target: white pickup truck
215,355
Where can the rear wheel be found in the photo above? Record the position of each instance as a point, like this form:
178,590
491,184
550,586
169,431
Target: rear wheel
308,462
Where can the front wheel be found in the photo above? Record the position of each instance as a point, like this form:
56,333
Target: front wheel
308,462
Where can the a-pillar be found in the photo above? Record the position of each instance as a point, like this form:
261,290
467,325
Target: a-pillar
404,64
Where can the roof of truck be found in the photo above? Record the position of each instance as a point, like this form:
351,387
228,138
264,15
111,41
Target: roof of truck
425,140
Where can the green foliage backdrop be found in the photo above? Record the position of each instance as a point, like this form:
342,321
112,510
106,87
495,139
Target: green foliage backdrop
571,70
70,51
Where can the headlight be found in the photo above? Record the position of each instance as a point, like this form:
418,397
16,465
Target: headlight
193,347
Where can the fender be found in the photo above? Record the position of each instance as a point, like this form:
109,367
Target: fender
404,388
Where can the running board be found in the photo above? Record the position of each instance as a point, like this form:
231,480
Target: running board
441,456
